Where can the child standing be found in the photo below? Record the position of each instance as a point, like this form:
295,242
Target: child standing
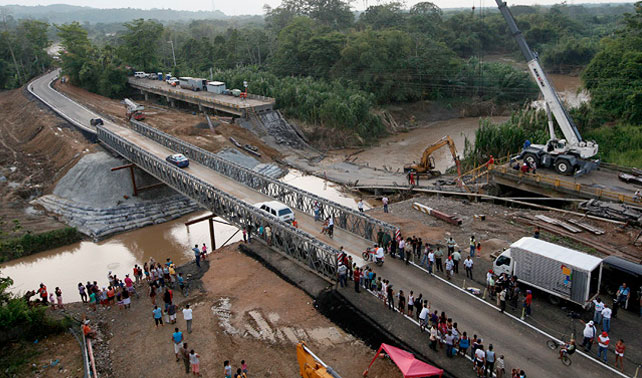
194,362
243,367
227,369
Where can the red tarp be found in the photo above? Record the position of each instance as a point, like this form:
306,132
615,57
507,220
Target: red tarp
407,363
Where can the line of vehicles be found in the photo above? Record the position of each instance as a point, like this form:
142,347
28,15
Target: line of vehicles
192,83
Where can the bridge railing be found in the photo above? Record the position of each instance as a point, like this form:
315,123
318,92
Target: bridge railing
296,243
344,217
562,185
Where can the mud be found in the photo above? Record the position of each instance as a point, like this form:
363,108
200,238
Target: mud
395,151
36,149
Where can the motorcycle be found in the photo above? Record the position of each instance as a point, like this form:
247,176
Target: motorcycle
370,255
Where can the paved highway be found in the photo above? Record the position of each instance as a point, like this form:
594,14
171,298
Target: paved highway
522,346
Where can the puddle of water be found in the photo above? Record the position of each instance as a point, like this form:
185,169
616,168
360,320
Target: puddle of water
88,261
322,188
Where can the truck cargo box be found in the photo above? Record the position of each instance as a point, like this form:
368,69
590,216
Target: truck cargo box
568,273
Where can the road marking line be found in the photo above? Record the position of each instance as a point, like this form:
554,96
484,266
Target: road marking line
521,321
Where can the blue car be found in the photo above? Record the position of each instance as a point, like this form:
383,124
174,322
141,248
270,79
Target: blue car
178,160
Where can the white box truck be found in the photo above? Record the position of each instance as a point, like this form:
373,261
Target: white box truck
217,87
559,271
193,83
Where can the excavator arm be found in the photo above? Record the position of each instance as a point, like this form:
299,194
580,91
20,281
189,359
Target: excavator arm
427,165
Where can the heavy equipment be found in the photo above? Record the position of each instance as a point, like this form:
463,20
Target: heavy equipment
427,164
134,110
568,156
311,366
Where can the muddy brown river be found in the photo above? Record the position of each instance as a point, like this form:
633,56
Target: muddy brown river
67,266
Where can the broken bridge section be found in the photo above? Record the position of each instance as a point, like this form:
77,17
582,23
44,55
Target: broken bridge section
351,220
299,245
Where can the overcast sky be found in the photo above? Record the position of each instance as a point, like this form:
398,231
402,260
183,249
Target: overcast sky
239,7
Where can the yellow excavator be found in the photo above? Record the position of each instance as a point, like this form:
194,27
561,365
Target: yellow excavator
427,164
311,366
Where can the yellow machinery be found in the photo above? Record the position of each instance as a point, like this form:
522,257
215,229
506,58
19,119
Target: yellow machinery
427,163
311,366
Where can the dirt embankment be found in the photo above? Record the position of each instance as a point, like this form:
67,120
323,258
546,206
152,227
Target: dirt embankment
244,312
36,149
184,124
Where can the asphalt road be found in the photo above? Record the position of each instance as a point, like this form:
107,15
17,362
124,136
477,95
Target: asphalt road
523,347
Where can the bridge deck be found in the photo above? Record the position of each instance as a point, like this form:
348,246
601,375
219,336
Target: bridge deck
603,183
348,240
225,103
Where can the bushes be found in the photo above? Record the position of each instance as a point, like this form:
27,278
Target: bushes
319,102
620,144
18,320
505,138
31,243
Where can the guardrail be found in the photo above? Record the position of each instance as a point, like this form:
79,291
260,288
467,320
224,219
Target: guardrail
345,218
294,242
563,185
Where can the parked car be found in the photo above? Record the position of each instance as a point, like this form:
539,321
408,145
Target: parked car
96,121
277,209
140,74
178,160
172,81
631,179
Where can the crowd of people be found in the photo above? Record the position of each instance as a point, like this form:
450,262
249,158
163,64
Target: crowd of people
443,333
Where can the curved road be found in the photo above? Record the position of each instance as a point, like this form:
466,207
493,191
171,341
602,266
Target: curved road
523,347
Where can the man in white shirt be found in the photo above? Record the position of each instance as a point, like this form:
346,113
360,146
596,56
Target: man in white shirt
431,261
379,253
384,200
423,317
402,247
606,319
589,335
603,345
360,205
468,264
187,315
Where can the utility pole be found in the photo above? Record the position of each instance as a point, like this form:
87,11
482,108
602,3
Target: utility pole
13,56
173,55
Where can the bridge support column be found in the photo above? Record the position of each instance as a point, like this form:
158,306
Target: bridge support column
200,108
146,95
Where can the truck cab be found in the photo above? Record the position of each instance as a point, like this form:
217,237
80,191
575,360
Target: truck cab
503,264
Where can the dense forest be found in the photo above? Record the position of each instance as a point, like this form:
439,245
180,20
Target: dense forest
330,66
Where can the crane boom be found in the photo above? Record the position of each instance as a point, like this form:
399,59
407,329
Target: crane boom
576,145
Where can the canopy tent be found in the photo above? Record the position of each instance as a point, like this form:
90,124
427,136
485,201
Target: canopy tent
406,362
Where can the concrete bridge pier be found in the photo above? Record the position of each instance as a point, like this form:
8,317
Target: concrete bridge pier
170,101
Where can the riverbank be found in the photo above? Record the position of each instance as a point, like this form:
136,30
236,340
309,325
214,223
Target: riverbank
244,312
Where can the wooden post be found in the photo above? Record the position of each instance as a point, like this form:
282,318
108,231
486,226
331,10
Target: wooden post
212,238
131,171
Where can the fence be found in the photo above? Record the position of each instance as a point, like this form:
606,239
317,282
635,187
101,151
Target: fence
294,242
345,218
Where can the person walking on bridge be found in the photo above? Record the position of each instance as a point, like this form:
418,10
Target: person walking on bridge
384,200
468,265
357,278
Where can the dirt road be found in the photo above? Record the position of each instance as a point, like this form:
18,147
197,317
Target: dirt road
247,312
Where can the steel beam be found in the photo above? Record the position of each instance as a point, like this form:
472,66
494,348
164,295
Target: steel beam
292,241
345,218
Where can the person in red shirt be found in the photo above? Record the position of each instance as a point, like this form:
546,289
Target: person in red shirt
43,293
524,168
619,354
357,278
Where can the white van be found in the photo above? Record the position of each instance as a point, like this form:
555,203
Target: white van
278,210
140,74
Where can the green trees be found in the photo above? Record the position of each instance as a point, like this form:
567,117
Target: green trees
95,69
614,76
22,52
141,44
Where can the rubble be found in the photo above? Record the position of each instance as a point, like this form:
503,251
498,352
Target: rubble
610,210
